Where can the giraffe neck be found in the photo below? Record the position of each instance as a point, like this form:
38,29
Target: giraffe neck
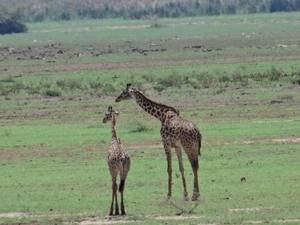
113,128
153,108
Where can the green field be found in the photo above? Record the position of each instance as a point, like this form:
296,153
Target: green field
236,77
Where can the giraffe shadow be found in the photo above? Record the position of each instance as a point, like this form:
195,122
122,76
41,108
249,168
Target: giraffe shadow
184,207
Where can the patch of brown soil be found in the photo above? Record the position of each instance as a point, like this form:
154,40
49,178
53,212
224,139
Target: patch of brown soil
13,215
106,220
177,217
245,209
113,220
274,221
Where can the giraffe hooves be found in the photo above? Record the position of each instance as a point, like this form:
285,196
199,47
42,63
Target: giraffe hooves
196,196
185,196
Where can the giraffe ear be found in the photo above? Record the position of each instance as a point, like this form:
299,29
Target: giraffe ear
128,85
118,113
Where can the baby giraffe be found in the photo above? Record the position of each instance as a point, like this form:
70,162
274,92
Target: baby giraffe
118,161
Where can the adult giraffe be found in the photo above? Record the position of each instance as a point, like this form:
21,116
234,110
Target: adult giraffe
176,132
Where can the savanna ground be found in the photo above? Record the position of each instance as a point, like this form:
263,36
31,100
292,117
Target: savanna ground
236,78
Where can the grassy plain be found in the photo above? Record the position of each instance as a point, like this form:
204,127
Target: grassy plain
236,78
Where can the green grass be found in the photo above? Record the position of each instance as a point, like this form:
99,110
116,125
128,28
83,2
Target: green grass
53,149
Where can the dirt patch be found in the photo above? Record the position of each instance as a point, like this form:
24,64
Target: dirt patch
177,217
13,215
274,221
113,220
288,139
253,209
106,220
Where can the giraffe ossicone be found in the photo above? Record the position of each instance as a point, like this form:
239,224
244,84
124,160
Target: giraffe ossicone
176,132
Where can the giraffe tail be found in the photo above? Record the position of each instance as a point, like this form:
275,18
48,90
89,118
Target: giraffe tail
121,186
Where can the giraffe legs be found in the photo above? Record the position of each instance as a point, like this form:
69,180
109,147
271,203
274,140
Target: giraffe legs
195,166
196,193
122,186
169,169
114,198
181,169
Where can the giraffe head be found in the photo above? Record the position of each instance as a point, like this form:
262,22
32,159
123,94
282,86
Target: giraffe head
126,94
109,114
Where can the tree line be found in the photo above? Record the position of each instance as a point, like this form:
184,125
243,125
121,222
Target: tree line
15,13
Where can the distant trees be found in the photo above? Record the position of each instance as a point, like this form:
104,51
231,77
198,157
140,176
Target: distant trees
11,20
99,9
284,5
57,10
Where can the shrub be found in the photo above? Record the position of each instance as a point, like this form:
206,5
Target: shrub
236,76
17,87
52,93
274,74
11,20
158,88
61,83
258,76
33,90
219,89
205,79
224,79
74,84
3,90
46,84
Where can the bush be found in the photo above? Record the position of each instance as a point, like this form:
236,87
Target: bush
52,93
74,84
205,79
236,76
3,90
11,20
224,79
274,74
158,88
61,83
17,87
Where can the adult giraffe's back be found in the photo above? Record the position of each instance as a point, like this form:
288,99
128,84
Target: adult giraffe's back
176,132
